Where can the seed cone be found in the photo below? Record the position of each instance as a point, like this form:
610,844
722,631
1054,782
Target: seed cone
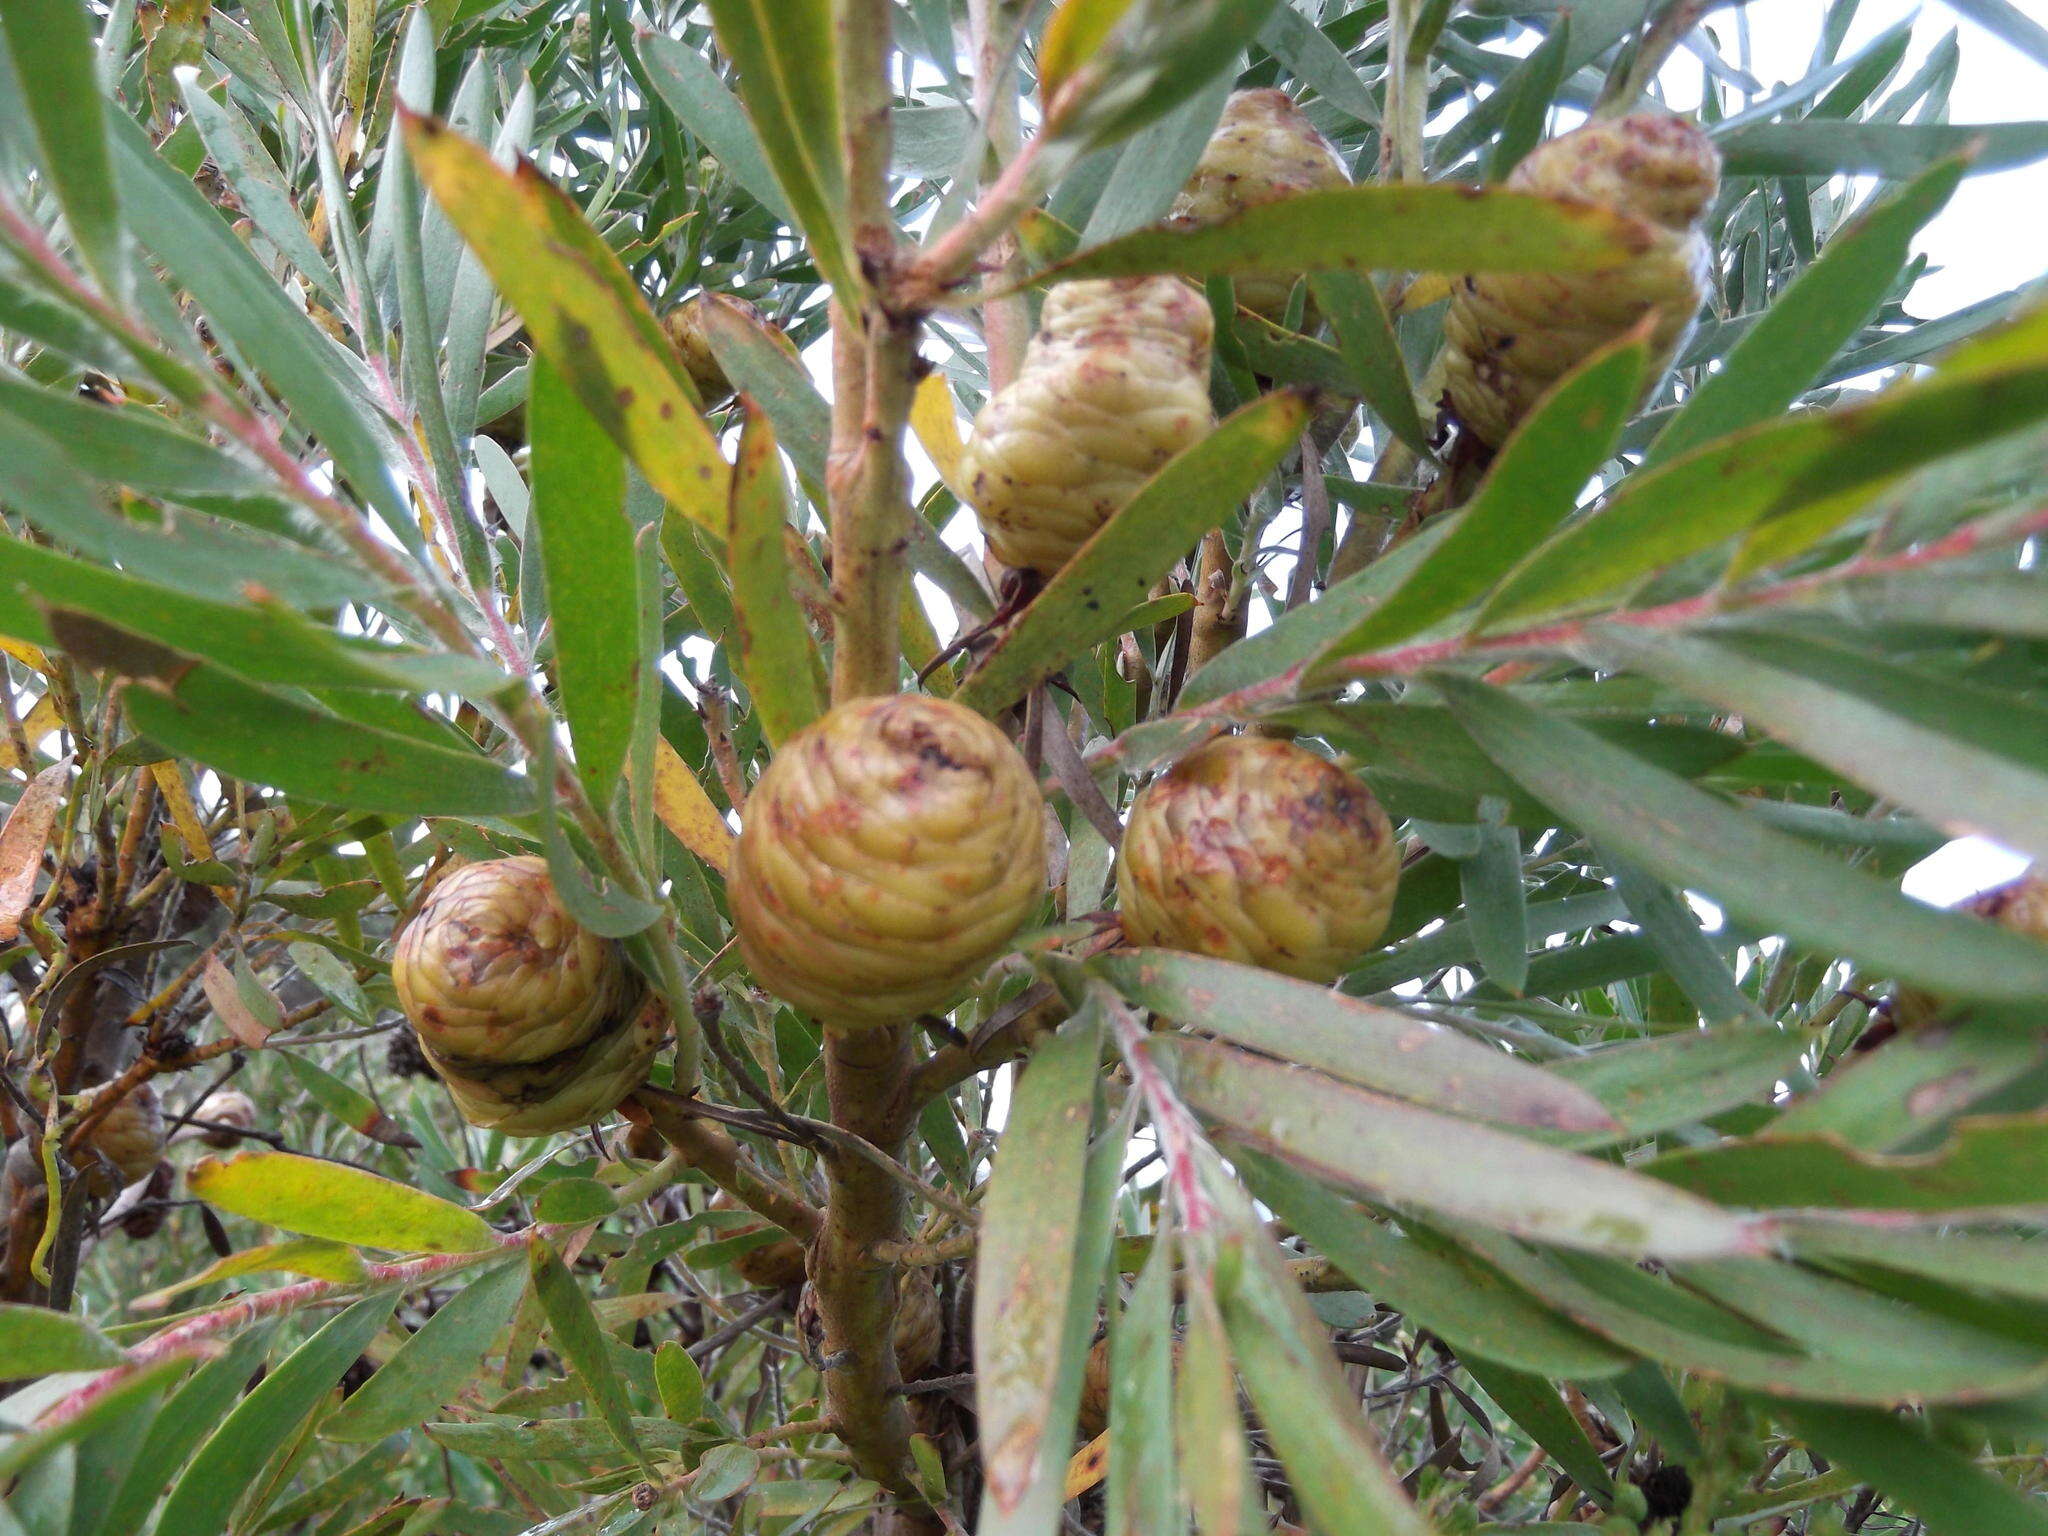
534,1023
130,1136
1510,335
889,853
2019,905
228,1111
1115,383
1263,150
1258,851
920,1325
685,328
773,1264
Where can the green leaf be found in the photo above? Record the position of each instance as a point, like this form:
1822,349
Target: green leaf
787,56
1496,904
1967,757
1679,1079
678,1382
1693,960
333,1200
1988,1162
1820,147
228,1463
1472,1306
582,1342
1388,228
586,549
191,1411
1109,67
692,90
1114,571
1526,97
346,1103
724,1471
1034,1297
1531,488
1309,1411
245,165
1371,351
34,1341
435,1364
314,1257
1387,1150
1770,881
1375,1047
583,312
1826,306
1535,1404
1143,1494
266,738
103,1432
773,649
51,43
1769,472
1929,1477
574,1202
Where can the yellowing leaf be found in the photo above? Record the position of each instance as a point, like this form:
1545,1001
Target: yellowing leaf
583,312
41,720
933,418
1073,36
332,1200
1087,1466
684,808
314,1257
170,783
22,842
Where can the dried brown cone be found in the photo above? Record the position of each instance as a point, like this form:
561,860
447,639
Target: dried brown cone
919,1331
1114,384
534,1023
130,1135
889,853
1263,150
770,1266
227,1112
1510,335
2020,906
146,1217
1258,851
1095,1388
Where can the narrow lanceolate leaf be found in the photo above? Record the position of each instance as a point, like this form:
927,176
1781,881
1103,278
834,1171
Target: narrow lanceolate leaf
1143,1493
1034,1302
685,80
1826,305
1814,147
1363,1043
1531,488
1677,1079
586,548
265,738
1969,758
582,310
1463,1300
1767,879
1387,1150
52,45
435,1364
34,1341
576,1330
1379,228
1085,603
233,1455
789,78
347,1103
1368,345
1536,1405
194,1409
333,1200
1992,1161
1928,1476
316,1258
1764,476
776,658
1309,1411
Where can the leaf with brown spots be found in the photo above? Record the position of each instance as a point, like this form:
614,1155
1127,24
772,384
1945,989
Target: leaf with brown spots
22,842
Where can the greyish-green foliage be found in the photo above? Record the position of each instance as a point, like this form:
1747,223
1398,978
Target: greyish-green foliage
359,518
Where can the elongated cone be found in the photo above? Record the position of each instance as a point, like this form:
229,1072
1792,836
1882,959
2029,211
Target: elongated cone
1115,383
1510,335
889,853
130,1136
1258,851
685,327
920,1324
2019,905
1263,150
772,1264
534,1023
